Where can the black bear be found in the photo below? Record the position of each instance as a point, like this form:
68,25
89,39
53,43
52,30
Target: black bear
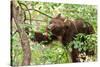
66,29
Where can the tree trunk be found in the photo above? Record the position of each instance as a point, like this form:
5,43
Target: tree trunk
18,18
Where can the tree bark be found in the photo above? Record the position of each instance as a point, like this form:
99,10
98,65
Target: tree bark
18,18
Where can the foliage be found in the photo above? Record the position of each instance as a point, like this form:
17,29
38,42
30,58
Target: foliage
54,53
49,55
17,53
85,42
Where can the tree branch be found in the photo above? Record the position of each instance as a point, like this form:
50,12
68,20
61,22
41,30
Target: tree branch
20,4
40,12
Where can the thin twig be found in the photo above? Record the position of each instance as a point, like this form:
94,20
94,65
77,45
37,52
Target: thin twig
39,12
14,33
24,11
36,20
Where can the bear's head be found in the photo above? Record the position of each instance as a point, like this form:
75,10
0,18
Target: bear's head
57,25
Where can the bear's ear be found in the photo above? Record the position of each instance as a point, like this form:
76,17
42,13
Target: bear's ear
65,20
58,16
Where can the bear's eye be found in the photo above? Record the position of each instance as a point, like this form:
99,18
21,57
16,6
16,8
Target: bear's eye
66,27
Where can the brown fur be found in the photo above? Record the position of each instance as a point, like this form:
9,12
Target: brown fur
65,29
39,37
